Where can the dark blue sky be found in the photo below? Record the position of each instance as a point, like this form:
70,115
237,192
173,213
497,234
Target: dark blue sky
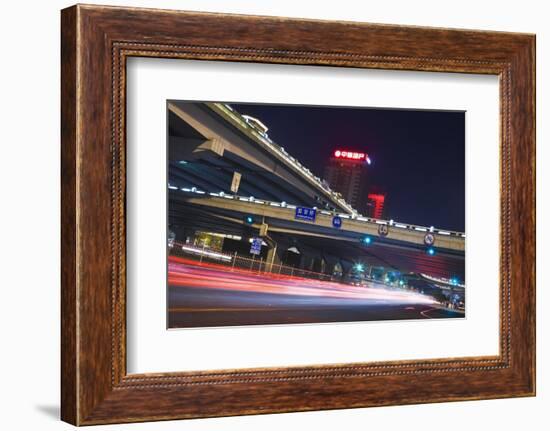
418,156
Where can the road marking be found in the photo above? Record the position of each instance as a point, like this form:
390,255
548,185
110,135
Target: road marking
438,308
427,311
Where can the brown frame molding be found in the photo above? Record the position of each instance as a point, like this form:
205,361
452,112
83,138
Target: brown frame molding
95,43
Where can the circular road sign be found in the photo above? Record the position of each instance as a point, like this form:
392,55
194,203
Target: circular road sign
337,222
429,238
383,229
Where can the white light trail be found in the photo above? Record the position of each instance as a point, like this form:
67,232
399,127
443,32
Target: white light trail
206,253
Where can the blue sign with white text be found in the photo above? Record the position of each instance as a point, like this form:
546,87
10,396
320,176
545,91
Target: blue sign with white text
256,246
304,213
337,222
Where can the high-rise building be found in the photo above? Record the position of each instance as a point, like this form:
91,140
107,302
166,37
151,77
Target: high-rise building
346,173
375,204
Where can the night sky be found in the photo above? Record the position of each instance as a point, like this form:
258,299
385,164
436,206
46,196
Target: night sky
418,157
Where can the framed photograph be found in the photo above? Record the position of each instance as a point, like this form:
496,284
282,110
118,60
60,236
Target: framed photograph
264,215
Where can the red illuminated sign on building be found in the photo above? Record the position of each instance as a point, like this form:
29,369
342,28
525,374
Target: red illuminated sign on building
352,155
377,204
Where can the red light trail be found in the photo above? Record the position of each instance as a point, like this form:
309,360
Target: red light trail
189,273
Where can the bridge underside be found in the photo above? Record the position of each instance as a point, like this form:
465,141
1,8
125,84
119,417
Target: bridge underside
205,149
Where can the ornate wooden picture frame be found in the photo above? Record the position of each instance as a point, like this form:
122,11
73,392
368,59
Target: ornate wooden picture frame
96,41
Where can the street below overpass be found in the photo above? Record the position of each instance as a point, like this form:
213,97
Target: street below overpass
208,295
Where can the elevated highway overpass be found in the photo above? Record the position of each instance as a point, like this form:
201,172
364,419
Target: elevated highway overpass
208,142
403,248
283,219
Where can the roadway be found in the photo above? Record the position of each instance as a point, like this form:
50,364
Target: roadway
212,295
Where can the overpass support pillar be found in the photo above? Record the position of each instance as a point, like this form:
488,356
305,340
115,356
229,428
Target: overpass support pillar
274,253
309,262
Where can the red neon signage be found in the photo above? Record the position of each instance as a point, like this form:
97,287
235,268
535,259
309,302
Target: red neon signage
378,201
351,155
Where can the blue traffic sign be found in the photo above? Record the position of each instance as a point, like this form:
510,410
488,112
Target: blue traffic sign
304,213
256,246
337,222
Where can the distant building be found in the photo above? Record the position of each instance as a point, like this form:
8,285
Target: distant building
346,173
375,204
